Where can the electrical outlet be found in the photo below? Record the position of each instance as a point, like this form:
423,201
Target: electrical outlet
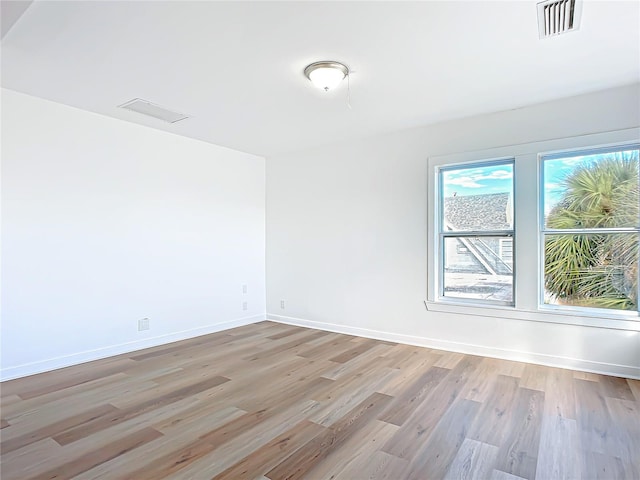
245,306
143,324
244,289
281,303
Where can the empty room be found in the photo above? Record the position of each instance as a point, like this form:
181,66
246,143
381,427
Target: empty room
320,240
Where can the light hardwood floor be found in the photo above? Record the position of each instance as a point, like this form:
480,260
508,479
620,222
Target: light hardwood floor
272,401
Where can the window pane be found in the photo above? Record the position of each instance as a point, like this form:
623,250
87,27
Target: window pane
478,198
478,268
599,271
598,190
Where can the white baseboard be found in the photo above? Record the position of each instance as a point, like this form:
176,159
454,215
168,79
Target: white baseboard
87,356
626,371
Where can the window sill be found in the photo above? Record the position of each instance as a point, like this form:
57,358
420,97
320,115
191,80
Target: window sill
629,322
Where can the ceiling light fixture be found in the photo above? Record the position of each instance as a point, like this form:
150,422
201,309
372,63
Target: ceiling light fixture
326,74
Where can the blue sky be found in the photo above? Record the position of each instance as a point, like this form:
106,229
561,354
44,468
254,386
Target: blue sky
555,171
498,178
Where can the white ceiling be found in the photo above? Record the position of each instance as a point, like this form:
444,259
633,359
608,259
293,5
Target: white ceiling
236,67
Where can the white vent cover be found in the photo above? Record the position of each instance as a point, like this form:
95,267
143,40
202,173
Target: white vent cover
147,108
558,16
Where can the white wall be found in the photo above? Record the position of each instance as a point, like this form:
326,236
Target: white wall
105,222
347,237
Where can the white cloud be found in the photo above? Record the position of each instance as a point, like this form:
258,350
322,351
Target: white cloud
477,177
495,175
467,182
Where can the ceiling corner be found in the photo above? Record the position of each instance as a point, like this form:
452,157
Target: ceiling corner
10,12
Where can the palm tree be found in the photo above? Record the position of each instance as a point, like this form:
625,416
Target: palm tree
597,270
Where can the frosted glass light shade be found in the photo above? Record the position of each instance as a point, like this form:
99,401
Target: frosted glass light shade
326,75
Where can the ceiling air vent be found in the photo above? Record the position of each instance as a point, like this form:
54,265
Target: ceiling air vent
147,108
558,16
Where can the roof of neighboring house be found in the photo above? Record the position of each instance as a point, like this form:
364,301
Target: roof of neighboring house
478,212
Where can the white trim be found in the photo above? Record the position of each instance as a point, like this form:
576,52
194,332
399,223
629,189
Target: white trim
626,371
547,314
55,363
526,263
556,145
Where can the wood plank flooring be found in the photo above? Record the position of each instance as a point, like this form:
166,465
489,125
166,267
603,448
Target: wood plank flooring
273,401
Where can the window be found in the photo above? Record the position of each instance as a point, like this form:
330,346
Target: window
476,219
545,231
590,228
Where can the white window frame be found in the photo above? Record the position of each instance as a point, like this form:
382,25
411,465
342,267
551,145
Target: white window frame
444,234
544,230
527,211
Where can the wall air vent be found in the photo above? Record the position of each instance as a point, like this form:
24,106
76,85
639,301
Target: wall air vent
152,110
558,16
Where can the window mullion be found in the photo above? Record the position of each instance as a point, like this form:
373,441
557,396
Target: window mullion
588,231
477,233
